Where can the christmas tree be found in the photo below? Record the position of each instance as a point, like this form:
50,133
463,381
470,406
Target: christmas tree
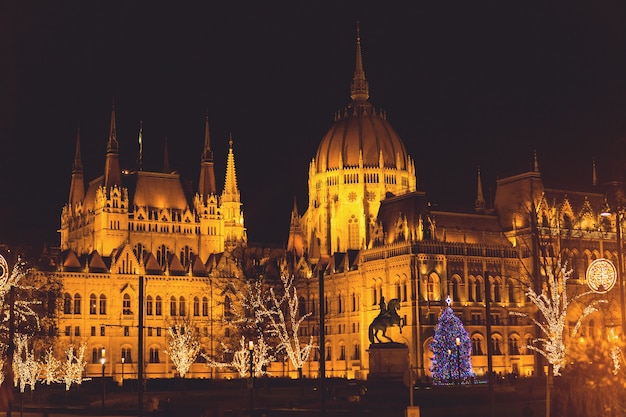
452,350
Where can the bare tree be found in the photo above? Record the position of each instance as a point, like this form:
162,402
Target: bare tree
183,347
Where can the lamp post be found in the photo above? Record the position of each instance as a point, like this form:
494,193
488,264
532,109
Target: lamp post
251,383
123,360
458,359
102,361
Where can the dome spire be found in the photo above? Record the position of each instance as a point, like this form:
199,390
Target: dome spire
359,91
112,174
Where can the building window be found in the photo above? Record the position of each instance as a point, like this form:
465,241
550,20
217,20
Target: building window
205,306
67,304
77,331
68,330
149,305
158,306
182,307
476,346
357,352
342,352
102,331
93,330
154,355
76,303
126,355
158,331
92,304
96,354
126,305
126,331
172,306
196,306
103,304
479,290
328,353
228,313
149,331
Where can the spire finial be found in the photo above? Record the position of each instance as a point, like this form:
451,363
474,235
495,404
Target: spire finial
480,199
360,89
535,161
140,139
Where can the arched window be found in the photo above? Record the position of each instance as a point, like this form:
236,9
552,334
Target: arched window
67,304
513,345
497,290
149,305
329,352
77,303
126,354
340,304
126,305
182,307
205,306
93,305
479,290
154,355
472,289
455,289
477,346
96,354
158,306
172,306
432,287
353,302
512,292
103,304
301,306
495,345
196,306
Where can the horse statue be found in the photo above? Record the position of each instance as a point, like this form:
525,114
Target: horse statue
387,317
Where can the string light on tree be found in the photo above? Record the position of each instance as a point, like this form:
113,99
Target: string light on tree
553,305
74,366
183,348
451,357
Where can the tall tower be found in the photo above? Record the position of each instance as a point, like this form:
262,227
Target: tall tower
234,230
358,163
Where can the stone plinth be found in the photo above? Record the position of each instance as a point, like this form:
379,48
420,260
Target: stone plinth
388,361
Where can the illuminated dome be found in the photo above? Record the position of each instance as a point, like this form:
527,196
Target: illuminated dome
360,132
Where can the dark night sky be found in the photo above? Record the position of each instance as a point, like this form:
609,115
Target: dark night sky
464,83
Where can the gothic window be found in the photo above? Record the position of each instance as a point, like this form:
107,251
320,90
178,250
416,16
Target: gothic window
339,304
328,353
185,255
455,289
353,302
432,287
162,254
149,305
301,306
479,290
342,352
513,345
92,304
158,306
357,352
96,354
182,307
126,354
497,290
353,233
196,306
512,293
77,303
472,286
154,355
495,345
126,305
172,306
476,346
205,306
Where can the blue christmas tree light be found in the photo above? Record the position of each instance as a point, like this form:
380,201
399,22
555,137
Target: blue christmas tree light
452,350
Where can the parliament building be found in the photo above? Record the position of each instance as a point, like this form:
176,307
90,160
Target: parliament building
368,231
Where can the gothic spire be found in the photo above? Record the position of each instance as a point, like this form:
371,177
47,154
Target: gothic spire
359,90
231,192
480,200
295,244
207,185
112,172
77,186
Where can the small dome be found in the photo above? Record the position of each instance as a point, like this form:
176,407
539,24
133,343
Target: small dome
361,132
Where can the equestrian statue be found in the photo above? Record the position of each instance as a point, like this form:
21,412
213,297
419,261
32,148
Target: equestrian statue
387,317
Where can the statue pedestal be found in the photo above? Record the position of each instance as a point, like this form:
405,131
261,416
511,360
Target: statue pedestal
388,361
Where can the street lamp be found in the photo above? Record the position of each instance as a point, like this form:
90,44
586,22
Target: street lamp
102,361
449,366
123,360
251,383
458,358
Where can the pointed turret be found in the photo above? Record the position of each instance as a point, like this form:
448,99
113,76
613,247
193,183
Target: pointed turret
234,230
535,161
359,91
112,172
207,185
140,140
480,200
231,192
77,186
295,244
